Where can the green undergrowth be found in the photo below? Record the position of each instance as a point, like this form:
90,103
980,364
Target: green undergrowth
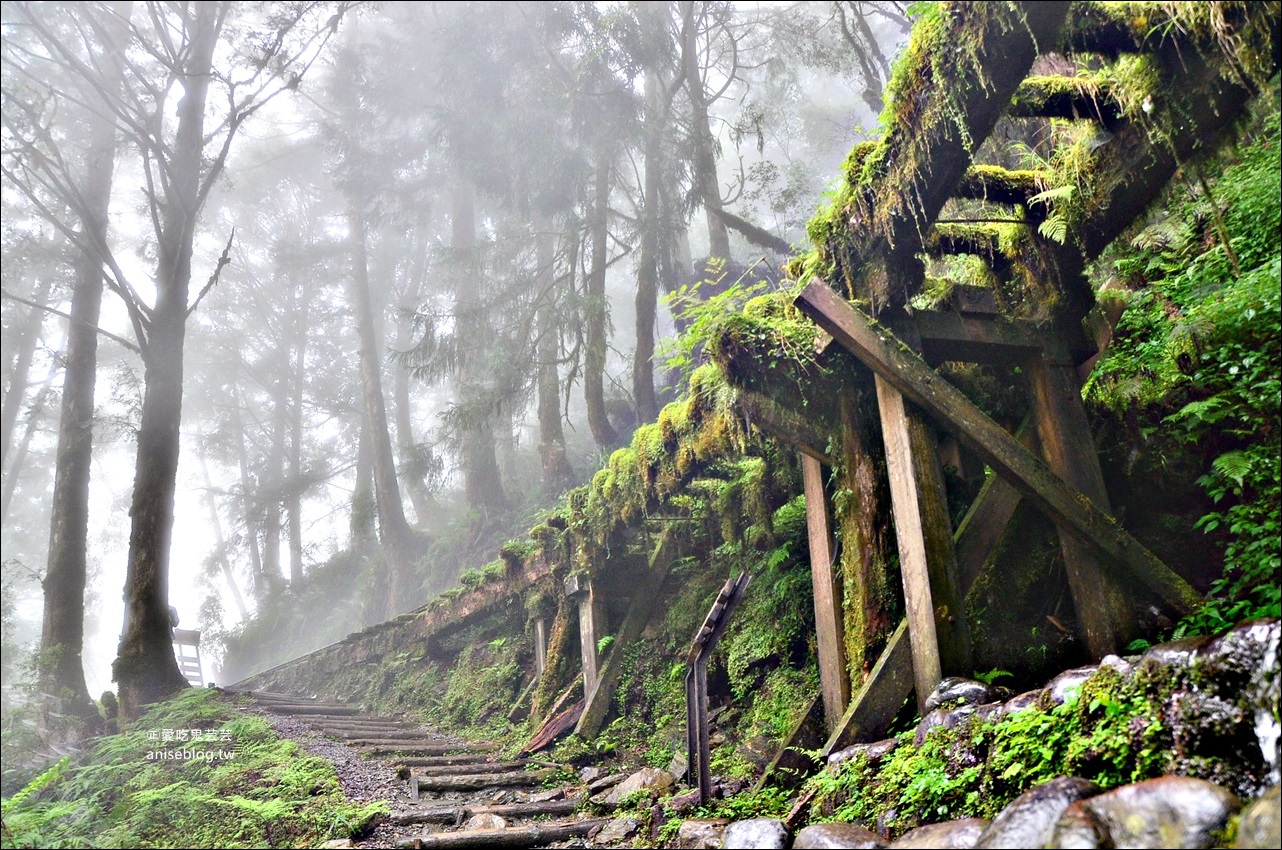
1114,730
1193,374
236,785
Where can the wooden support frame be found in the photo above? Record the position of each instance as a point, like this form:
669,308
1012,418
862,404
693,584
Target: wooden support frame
936,624
647,595
830,644
591,627
1063,503
540,646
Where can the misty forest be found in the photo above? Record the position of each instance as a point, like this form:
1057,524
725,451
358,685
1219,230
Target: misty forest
641,424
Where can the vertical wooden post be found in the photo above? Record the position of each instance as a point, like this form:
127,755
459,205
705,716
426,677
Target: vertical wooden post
927,560
591,627
830,642
540,646
1069,450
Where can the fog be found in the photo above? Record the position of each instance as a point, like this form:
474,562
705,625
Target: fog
429,241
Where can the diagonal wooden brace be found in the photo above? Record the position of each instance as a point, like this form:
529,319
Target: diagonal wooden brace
1065,505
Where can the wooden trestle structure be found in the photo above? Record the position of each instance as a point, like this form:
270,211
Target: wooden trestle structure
970,78
892,222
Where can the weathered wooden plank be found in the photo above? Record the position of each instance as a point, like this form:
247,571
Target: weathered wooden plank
477,781
829,640
1069,450
791,764
982,526
540,647
969,338
539,835
1062,503
458,814
879,699
591,628
783,424
912,547
634,622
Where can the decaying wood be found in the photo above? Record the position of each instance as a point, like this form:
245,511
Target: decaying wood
554,728
443,761
514,836
830,642
647,593
877,702
950,408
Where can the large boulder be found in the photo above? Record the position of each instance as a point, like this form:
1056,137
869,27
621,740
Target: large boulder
1260,826
957,833
756,834
1030,820
701,834
1170,811
648,779
822,836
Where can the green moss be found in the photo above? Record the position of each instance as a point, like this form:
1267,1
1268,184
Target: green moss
239,786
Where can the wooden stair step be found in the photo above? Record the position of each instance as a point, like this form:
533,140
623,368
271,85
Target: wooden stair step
458,814
534,835
479,781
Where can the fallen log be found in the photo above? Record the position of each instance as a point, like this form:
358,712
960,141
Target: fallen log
445,761
519,836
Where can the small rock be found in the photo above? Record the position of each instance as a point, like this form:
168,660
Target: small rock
957,833
1023,702
1121,665
682,803
823,836
1068,683
484,821
338,844
955,689
1260,826
678,766
1170,811
590,773
606,782
1178,653
616,831
756,834
942,718
547,796
696,834
874,752
649,779
1031,818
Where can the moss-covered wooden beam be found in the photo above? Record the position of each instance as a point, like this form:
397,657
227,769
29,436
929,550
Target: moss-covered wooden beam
998,185
1084,97
882,353
946,100
947,336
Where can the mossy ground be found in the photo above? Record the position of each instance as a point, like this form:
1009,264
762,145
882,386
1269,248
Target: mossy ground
246,788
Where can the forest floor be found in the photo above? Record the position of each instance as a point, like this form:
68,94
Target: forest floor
370,772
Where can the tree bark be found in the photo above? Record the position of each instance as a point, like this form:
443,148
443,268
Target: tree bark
145,668
61,676
482,485
705,157
594,289
16,392
13,472
647,298
555,465
362,521
394,531
294,491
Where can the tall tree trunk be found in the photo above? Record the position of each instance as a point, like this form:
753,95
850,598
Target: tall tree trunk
145,668
647,299
61,676
261,587
294,492
595,305
13,472
557,474
705,156
28,334
482,485
224,563
394,532
272,489
412,473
